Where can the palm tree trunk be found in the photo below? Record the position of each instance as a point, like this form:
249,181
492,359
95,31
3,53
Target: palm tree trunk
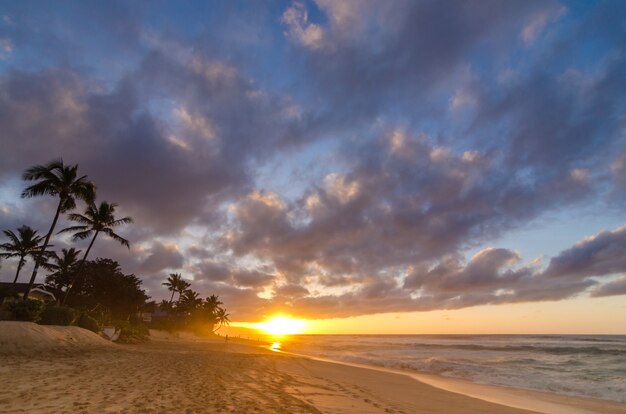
172,298
80,268
43,249
19,268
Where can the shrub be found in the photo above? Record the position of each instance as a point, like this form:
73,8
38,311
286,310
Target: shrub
6,292
132,333
26,311
57,315
87,322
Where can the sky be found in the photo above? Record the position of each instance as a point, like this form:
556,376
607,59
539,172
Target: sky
397,167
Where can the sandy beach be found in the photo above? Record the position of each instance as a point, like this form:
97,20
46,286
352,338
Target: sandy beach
75,371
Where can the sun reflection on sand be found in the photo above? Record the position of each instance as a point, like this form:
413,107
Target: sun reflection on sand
275,347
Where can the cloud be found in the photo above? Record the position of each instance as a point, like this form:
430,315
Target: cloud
596,255
168,181
375,54
614,288
6,47
301,30
251,279
539,22
389,210
160,257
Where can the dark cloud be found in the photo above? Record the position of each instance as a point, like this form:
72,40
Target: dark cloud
404,201
555,116
370,54
171,175
160,257
493,276
291,291
616,287
251,278
598,255
618,170
483,272
210,270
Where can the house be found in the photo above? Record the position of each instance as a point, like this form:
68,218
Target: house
38,292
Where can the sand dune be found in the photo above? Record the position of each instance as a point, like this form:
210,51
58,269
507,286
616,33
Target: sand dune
28,338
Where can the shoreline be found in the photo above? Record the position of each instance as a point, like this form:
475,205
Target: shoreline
525,399
518,398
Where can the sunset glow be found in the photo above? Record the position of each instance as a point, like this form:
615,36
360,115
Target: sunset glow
281,325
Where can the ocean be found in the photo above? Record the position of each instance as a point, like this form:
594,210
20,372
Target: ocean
581,365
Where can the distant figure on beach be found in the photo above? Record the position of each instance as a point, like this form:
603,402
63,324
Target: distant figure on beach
226,338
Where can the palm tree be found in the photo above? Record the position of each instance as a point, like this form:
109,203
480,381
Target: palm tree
188,301
58,180
213,302
176,283
64,267
23,244
96,220
221,317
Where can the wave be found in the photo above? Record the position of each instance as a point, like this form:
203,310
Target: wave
572,365
553,350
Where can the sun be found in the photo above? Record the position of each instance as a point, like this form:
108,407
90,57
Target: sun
282,325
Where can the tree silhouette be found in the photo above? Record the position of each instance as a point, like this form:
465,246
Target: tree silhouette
21,245
176,283
96,220
188,301
105,289
190,310
213,302
63,269
221,317
58,180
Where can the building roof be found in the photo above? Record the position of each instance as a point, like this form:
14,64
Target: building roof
21,288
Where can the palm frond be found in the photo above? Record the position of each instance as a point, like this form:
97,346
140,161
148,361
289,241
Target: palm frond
73,228
125,220
117,238
12,236
37,172
84,189
68,204
39,189
8,255
82,235
81,218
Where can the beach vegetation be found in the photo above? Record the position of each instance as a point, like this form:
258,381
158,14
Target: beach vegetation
58,315
58,180
23,244
94,293
132,332
176,284
106,291
27,310
96,220
87,322
190,311
63,269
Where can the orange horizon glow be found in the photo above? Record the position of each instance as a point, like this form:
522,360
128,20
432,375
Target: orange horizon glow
564,317
280,325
